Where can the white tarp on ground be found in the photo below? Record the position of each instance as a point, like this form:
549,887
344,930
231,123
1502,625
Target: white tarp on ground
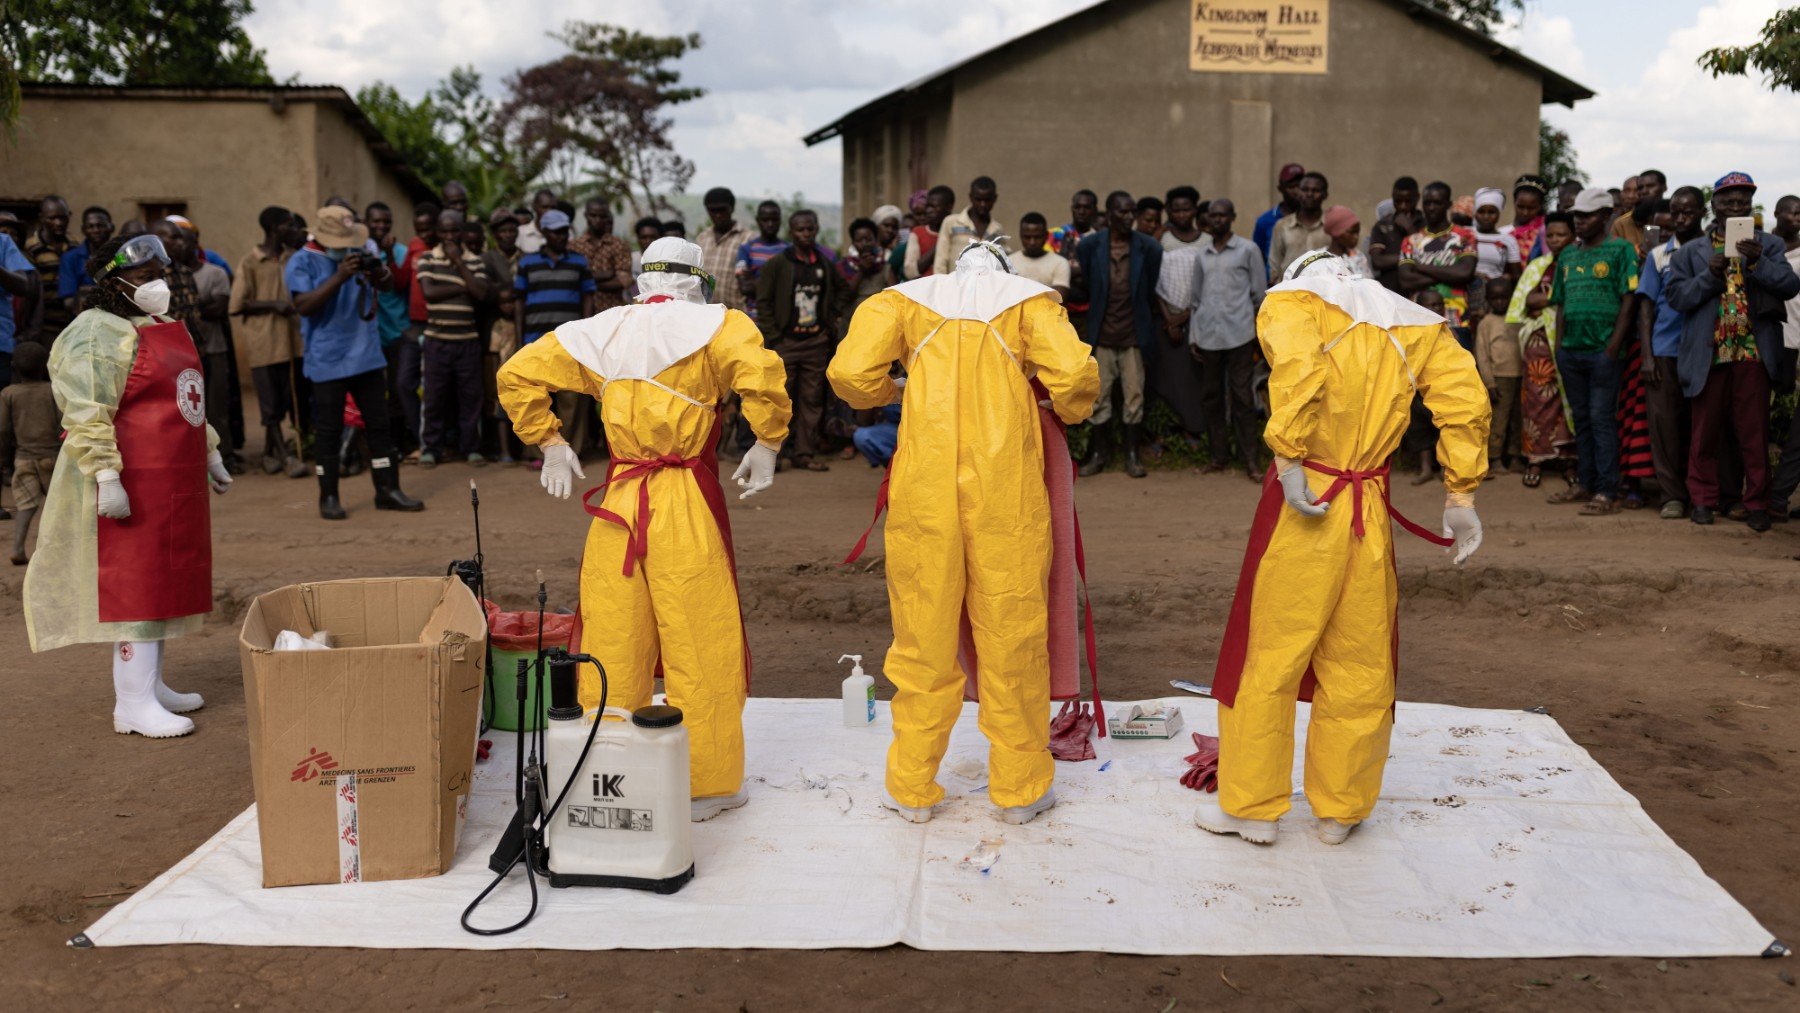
1496,837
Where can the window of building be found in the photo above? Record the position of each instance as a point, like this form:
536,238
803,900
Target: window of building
155,211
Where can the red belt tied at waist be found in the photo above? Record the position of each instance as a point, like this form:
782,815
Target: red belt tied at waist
705,469
1236,644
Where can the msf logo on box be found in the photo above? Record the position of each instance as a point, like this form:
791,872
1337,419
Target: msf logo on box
609,785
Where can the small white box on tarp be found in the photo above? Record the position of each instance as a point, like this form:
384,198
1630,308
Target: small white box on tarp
1145,721
361,755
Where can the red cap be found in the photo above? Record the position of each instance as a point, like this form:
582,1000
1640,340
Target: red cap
1291,172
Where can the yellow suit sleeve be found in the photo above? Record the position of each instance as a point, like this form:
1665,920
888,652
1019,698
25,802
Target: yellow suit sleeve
1288,328
1453,391
526,381
88,367
756,374
1065,365
877,339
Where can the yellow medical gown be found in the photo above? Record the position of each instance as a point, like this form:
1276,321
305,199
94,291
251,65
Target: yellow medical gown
680,605
1323,596
89,364
968,523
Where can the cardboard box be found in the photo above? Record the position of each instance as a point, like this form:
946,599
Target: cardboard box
362,755
1145,721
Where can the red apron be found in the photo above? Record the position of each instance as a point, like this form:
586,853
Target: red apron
1230,668
157,563
705,469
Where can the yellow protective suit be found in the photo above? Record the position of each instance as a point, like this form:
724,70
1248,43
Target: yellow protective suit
679,605
1339,396
968,515
89,364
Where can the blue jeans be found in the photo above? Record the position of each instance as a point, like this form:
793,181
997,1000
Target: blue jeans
1591,383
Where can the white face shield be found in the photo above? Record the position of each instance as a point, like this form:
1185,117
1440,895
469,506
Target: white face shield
1317,264
984,257
671,268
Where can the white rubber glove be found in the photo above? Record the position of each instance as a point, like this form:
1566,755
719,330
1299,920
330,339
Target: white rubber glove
216,473
756,472
1292,475
1461,523
113,501
561,469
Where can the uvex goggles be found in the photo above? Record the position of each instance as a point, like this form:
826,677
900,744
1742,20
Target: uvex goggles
137,251
676,267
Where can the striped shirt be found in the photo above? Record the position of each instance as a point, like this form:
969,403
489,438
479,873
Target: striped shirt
553,289
453,319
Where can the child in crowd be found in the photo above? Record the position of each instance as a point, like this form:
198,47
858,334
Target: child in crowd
1501,364
1421,437
30,437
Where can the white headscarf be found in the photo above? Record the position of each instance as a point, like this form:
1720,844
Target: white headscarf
984,257
1489,196
886,211
672,250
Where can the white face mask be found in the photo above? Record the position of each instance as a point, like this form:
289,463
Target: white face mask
152,297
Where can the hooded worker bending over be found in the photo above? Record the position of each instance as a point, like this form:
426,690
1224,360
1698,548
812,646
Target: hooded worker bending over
1316,600
658,578
968,514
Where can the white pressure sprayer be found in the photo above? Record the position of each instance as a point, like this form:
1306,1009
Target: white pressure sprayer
859,694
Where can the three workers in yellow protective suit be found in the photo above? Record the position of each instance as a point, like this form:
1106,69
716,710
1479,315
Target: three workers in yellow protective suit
658,578
968,514
1316,601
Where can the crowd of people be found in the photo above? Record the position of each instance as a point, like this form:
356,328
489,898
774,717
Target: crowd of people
1633,341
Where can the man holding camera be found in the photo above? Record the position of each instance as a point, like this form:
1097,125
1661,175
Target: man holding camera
334,279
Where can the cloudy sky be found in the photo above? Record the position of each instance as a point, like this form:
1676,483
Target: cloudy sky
778,69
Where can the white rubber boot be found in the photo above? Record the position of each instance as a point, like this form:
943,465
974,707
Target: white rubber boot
135,708
1019,815
173,702
911,814
703,809
1214,819
1333,832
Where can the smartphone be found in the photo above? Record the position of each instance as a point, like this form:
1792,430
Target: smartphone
1736,231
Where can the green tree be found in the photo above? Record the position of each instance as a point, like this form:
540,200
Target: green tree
454,133
183,43
1556,155
1775,54
599,111
1485,16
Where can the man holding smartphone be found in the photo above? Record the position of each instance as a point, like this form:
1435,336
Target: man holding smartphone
1730,285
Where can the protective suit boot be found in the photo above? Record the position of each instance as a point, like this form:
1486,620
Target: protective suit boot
1099,452
911,814
1133,466
1333,832
1019,815
135,707
703,809
330,507
387,491
173,702
1212,818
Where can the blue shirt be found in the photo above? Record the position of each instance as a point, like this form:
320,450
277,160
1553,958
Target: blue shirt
553,288
391,316
1665,334
1265,229
72,277
12,260
214,257
337,340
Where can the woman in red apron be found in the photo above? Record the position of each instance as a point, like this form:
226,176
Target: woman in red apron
125,548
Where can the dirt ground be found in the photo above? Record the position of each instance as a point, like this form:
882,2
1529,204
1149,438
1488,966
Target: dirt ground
1670,651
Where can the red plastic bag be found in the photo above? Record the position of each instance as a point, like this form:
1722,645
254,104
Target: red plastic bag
518,631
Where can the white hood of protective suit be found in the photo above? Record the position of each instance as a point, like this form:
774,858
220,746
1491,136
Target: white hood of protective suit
1364,300
685,287
981,288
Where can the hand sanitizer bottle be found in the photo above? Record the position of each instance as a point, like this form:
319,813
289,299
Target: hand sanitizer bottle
859,694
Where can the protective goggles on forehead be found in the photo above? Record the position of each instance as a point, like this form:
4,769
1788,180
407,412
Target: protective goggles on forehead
137,251
674,267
